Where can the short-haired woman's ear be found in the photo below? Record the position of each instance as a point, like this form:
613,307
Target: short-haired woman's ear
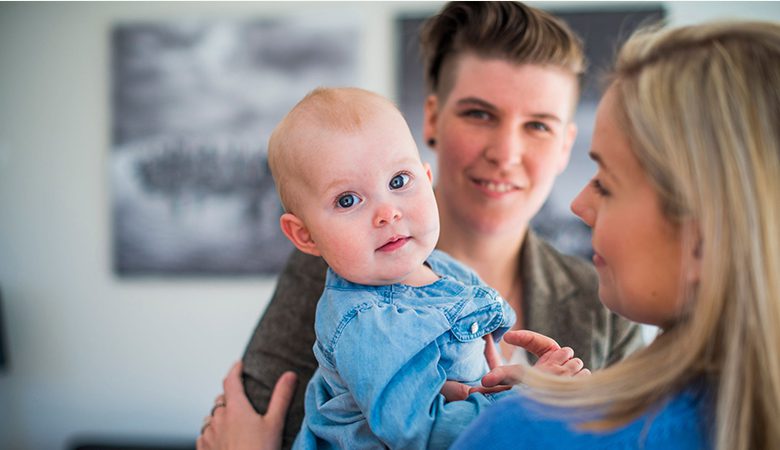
430,115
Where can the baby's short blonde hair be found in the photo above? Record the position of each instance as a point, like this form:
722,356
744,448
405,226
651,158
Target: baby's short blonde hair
296,141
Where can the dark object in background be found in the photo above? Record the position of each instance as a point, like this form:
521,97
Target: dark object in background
3,350
116,443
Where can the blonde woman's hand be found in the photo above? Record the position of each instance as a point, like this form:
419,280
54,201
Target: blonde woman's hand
234,425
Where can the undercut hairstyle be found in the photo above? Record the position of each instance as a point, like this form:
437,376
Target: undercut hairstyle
510,31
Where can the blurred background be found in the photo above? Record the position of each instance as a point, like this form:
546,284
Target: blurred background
105,338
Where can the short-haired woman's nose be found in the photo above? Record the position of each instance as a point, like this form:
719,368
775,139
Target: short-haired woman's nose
386,214
505,149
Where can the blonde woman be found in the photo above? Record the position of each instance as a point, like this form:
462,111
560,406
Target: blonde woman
685,211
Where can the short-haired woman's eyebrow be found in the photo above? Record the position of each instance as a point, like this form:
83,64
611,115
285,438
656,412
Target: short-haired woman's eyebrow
476,101
546,116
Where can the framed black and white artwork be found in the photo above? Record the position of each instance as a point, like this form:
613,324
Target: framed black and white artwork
193,105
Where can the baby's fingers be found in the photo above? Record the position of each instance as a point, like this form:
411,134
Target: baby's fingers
561,362
489,390
557,357
454,391
504,375
573,366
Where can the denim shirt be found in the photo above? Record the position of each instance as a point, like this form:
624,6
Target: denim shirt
384,353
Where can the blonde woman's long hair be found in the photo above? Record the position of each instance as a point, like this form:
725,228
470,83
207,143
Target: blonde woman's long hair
701,107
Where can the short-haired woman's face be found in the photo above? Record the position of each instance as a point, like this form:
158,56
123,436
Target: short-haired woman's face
638,251
502,134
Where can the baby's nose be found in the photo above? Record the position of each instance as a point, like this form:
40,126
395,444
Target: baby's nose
386,214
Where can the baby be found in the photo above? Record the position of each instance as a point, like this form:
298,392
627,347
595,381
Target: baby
397,318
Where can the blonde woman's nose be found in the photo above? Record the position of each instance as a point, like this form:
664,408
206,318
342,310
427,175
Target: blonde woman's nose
386,214
583,208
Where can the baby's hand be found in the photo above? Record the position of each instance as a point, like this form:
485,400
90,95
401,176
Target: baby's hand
552,359
454,391
561,361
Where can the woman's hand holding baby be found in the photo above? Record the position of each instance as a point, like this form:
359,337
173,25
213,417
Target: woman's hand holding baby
233,423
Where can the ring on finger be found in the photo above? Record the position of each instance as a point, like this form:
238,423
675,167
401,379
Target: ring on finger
218,404
206,423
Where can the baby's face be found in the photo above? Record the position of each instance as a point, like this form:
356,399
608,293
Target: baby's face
369,203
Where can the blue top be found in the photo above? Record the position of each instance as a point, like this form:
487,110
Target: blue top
384,353
519,422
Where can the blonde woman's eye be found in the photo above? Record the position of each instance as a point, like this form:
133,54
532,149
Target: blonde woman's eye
399,181
599,188
346,201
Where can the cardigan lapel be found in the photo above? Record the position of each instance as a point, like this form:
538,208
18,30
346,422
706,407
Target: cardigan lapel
550,299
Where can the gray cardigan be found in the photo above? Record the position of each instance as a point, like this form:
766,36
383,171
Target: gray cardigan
559,300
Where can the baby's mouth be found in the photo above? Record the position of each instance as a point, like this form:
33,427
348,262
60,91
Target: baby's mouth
394,243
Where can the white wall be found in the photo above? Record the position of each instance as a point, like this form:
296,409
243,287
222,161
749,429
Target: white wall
92,353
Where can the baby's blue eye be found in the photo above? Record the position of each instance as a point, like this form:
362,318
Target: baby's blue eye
347,200
399,181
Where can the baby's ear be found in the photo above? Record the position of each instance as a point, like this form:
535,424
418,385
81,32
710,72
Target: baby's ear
428,172
298,234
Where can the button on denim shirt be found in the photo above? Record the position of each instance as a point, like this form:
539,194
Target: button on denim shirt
384,353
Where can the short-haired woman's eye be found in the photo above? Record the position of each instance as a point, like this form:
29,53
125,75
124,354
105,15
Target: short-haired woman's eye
478,114
399,181
347,200
538,126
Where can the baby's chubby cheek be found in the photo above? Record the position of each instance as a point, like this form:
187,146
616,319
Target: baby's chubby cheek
343,257
428,221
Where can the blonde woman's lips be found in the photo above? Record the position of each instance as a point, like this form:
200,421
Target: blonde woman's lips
393,244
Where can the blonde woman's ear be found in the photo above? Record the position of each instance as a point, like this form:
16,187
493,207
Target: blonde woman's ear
694,256
297,232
